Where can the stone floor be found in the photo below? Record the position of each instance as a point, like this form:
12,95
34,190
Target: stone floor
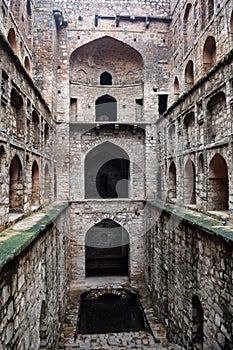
152,339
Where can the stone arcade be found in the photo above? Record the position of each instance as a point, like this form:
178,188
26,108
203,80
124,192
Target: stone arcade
116,160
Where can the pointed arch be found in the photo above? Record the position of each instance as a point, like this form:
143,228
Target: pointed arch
27,64
106,108
187,29
16,185
201,164
189,183
46,181
12,39
107,172
210,9
209,53
2,159
176,86
172,191
43,327
231,23
17,106
35,178
218,191
107,249
105,78
109,55
189,74
197,323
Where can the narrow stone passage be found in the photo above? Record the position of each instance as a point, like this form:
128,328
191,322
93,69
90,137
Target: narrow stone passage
152,338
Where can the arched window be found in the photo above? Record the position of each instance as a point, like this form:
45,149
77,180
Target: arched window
210,9
35,199
29,9
43,328
107,172
189,75
201,164
176,86
218,184
231,23
187,29
17,105
27,64
12,39
209,53
197,324
189,183
36,129
16,185
106,108
216,108
2,159
189,135
105,79
106,249
172,181
46,182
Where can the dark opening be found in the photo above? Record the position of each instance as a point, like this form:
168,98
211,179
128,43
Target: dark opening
106,312
107,172
16,186
198,320
107,250
106,108
105,79
162,103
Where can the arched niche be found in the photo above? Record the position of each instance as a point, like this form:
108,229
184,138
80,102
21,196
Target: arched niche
107,249
106,108
189,74
197,323
105,78
106,54
16,185
172,191
209,53
189,183
35,178
218,191
107,172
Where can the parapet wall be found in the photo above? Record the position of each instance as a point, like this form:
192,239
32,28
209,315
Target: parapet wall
189,259
34,275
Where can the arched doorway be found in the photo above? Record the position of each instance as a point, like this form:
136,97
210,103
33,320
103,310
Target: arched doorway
106,108
107,249
43,327
218,184
107,172
197,323
209,53
16,185
189,183
172,181
35,184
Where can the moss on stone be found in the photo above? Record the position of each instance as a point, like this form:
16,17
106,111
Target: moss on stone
196,219
20,239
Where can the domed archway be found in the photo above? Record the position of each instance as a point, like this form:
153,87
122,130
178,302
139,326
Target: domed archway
107,172
107,249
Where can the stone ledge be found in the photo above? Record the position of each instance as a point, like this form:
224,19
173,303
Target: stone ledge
200,220
16,238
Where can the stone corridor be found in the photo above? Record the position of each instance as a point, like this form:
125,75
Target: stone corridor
152,339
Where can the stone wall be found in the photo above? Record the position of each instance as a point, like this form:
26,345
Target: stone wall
192,23
197,128
34,275
188,258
